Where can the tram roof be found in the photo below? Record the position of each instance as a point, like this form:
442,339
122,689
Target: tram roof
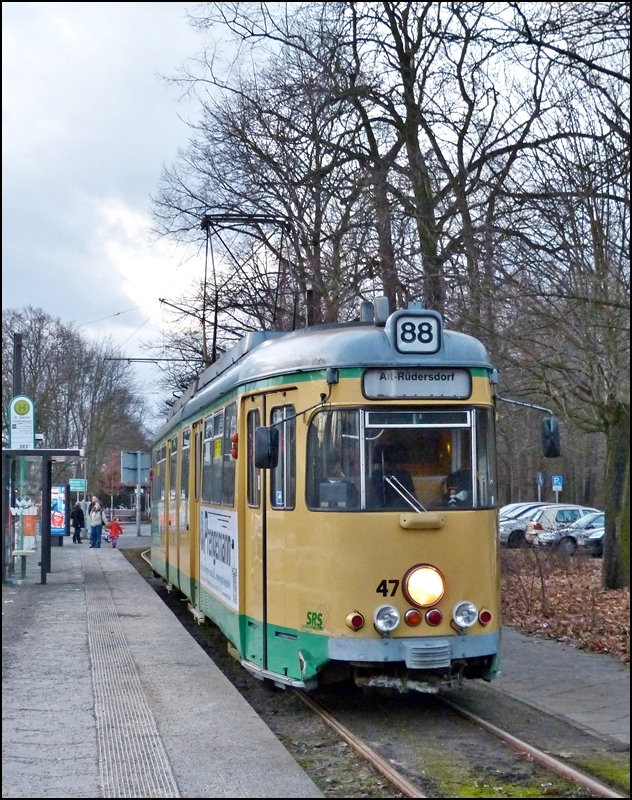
266,354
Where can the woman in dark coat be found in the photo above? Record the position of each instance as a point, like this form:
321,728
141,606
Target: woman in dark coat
78,521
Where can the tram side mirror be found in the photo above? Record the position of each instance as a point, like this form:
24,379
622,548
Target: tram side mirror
551,437
266,447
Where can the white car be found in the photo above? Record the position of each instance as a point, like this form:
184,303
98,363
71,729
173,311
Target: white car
578,535
543,526
512,525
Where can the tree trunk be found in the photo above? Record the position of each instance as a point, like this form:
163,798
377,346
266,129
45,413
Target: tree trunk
616,557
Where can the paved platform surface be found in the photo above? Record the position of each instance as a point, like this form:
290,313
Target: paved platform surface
590,690
105,695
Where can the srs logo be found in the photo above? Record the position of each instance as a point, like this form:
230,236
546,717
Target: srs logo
315,620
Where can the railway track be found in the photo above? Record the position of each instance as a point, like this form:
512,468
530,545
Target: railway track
385,766
409,789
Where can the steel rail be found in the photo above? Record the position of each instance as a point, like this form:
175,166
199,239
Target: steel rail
594,786
407,788
142,555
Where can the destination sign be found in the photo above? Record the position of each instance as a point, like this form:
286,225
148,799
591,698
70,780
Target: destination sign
455,384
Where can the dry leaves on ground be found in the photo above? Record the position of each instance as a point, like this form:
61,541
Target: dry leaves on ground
552,595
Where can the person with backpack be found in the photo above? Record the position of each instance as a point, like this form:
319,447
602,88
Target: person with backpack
97,521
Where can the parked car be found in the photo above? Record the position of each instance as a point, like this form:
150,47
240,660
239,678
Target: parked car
571,536
551,519
592,542
512,509
513,525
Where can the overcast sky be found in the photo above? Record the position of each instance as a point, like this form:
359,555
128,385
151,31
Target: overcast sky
87,126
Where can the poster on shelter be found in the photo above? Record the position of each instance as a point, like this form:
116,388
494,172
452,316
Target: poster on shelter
58,510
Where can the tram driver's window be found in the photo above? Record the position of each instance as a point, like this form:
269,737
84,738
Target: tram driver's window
418,457
283,477
333,461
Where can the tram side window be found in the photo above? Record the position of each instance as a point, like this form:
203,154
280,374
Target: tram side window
217,457
283,477
486,458
228,466
184,476
173,468
333,460
207,463
254,474
158,484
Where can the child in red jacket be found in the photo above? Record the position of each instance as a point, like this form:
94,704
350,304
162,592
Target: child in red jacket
115,530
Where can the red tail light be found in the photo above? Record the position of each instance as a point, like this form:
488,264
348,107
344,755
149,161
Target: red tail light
355,620
538,527
485,616
434,616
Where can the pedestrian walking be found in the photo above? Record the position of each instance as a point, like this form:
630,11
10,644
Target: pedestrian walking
78,520
97,521
94,500
115,530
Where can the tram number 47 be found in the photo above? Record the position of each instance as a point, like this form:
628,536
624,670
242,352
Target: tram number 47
383,588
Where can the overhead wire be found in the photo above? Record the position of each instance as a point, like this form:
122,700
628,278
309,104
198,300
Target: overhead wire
137,329
118,314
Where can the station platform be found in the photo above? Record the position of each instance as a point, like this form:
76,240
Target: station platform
104,694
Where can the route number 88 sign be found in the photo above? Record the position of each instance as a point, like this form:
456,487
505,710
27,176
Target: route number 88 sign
418,333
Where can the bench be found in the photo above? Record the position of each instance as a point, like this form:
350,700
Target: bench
122,513
23,554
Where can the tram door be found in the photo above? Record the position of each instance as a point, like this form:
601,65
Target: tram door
270,552
253,566
172,514
195,490
184,517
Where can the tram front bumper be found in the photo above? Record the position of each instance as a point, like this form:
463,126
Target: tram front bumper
423,652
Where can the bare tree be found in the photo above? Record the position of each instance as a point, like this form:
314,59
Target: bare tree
463,143
82,398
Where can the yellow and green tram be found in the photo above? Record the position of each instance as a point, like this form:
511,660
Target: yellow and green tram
328,497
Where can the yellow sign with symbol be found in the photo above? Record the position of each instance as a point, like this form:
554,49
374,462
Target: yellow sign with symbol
21,423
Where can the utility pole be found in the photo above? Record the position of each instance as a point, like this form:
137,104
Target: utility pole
17,364
138,489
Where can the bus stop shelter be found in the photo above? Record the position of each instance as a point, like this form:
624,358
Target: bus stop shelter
26,476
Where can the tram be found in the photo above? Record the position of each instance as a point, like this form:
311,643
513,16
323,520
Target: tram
328,498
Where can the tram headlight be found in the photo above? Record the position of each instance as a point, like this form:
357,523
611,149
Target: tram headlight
423,585
465,614
386,619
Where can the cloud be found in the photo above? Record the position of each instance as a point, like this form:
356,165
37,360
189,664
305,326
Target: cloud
87,126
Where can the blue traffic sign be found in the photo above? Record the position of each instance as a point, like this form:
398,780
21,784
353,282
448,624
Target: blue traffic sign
556,481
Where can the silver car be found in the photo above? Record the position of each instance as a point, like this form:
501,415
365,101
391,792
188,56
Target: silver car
512,525
545,526
592,542
576,535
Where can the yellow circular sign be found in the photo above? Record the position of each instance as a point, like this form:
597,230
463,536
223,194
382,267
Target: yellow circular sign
22,407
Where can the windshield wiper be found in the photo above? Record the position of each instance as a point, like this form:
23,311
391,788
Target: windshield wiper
401,490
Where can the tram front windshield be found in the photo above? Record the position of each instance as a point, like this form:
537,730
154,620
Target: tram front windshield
401,460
